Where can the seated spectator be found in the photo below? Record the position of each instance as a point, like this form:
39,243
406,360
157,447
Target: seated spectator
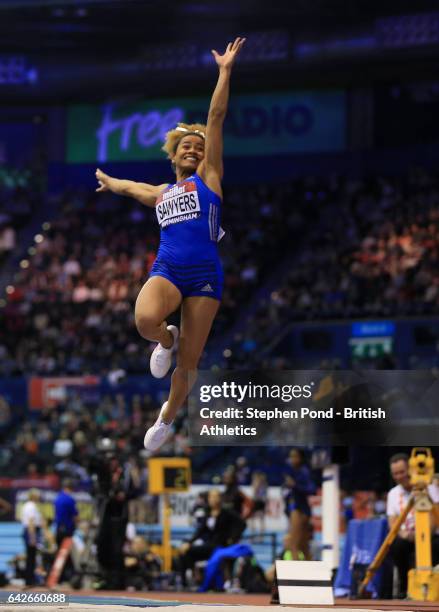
69,469
141,565
7,241
63,445
32,473
219,528
200,509
80,550
402,550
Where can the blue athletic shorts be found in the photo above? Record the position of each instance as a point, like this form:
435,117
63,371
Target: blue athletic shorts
204,278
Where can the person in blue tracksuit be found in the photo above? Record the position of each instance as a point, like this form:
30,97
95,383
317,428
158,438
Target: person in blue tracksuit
187,271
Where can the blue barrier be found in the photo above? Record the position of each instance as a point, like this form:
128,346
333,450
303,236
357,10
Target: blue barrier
11,543
363,541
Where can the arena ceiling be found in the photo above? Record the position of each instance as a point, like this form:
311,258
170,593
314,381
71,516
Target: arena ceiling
122,27
93,49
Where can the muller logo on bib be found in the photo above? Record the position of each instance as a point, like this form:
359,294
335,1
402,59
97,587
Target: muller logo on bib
178,204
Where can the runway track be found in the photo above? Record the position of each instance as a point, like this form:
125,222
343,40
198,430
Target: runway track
118,601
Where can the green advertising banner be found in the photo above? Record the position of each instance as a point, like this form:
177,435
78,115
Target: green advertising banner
256,124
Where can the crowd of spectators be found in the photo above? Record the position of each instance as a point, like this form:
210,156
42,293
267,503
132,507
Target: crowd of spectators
19,195
372,252
350,248
71,307
64,441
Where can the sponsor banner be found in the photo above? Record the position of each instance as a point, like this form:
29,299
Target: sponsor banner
256,124
182,504
49,392
275,519
39,482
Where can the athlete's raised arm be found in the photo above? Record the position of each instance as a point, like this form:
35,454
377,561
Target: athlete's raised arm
211,168
142,192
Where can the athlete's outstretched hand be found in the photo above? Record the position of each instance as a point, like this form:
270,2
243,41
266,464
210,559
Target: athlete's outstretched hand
226,60
105,181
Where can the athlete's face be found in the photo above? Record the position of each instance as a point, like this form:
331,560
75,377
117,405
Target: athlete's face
189,153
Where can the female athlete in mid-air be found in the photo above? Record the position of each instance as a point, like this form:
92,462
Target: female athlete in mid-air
187,270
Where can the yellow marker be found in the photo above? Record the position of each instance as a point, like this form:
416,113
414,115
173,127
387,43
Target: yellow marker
168,475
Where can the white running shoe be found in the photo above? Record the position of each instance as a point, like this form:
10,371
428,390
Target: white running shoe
158,433
161,358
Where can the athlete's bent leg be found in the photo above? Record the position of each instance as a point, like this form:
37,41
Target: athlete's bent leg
157,299
197,316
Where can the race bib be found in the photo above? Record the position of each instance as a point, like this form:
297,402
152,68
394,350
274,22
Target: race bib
178,204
